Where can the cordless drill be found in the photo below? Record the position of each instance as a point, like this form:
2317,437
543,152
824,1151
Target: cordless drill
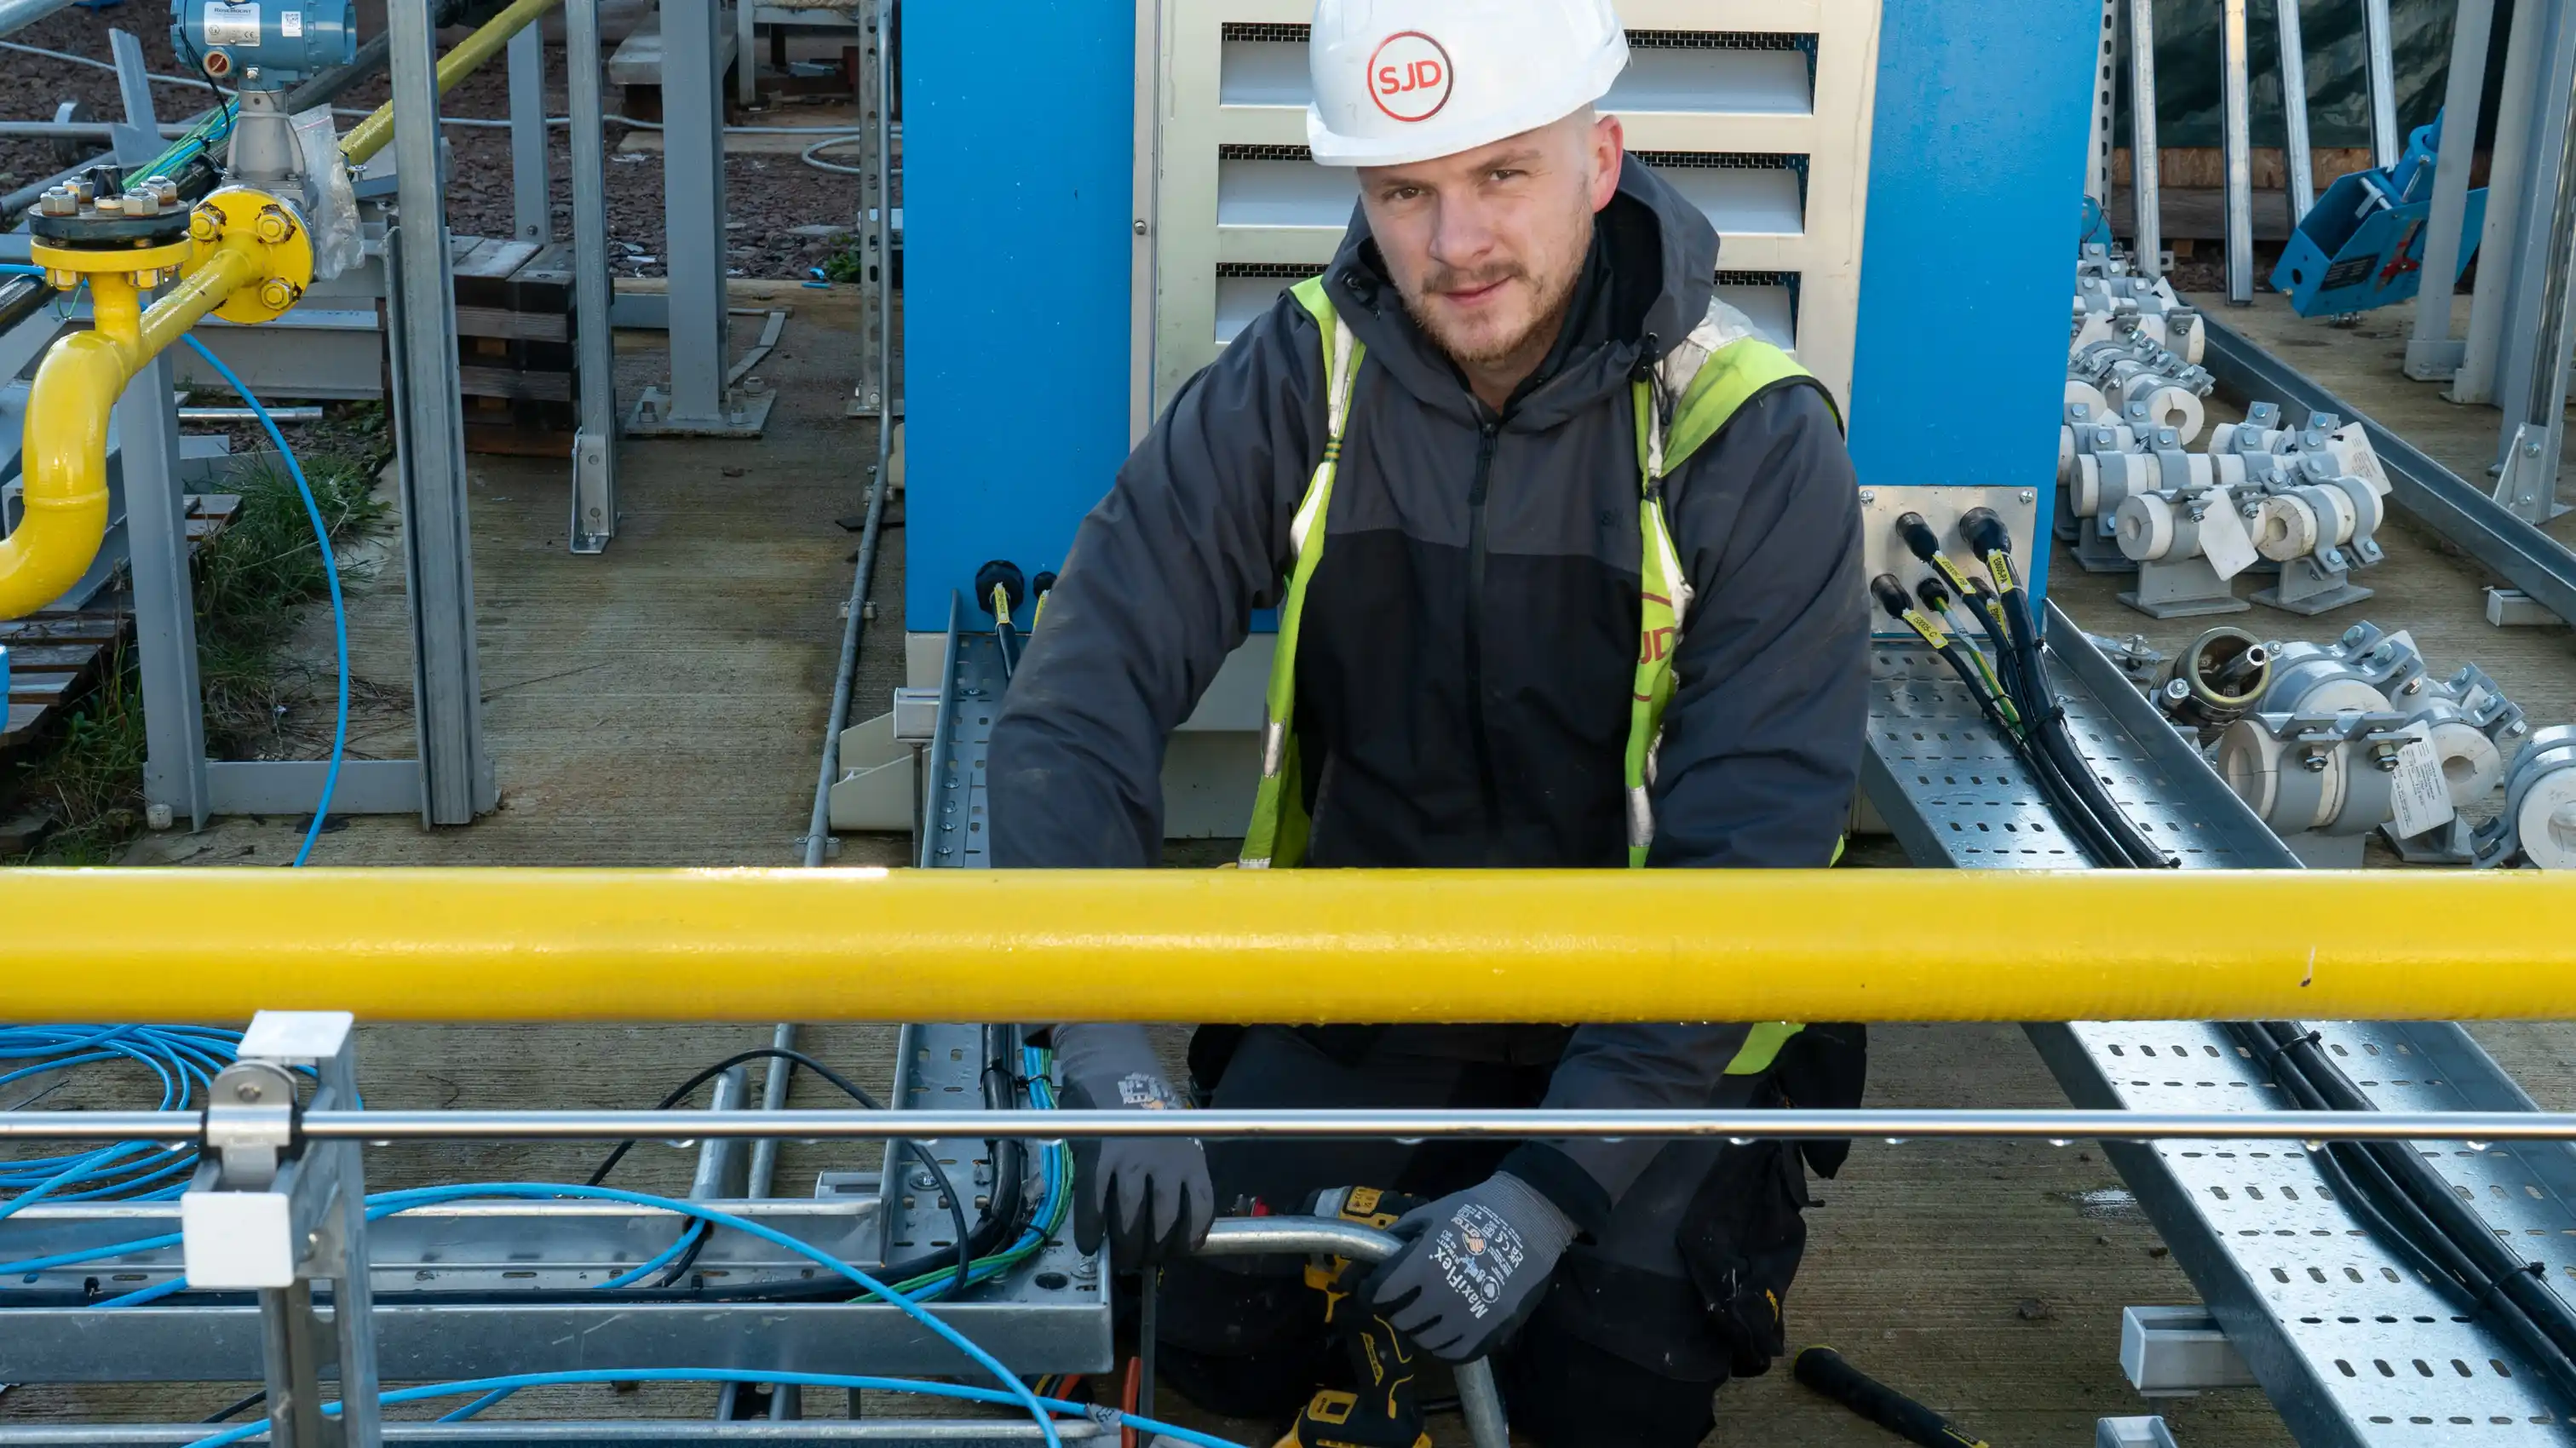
1383,1407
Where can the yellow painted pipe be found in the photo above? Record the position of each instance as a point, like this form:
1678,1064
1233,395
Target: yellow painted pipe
467,56
1303,945
65,442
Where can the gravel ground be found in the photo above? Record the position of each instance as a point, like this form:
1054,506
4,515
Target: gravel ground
766,196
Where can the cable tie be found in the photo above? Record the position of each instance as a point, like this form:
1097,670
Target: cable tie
2496,1284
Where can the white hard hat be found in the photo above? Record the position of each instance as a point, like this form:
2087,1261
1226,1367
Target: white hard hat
1399,81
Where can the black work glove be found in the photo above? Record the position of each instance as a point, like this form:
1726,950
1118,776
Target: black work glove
1148,1197
1475,1265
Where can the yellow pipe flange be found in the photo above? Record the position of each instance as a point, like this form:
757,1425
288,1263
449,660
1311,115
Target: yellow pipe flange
243,211
149,265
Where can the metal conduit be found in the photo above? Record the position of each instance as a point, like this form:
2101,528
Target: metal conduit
71,130
19,14
1739,1124
1320,945
465,57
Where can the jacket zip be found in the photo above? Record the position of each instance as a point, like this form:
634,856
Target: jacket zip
1474,632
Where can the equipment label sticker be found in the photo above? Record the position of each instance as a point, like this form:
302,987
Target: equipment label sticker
2223,539
2422,799
1408,76
232,24
290,24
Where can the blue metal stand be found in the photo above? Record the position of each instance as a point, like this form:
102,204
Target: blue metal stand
2362,245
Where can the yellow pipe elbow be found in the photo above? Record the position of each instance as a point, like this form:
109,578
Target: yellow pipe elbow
66,472
68,407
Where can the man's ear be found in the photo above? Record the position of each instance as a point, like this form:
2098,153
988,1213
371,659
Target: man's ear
1609,152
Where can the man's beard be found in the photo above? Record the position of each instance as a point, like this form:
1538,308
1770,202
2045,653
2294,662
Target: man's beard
1552,299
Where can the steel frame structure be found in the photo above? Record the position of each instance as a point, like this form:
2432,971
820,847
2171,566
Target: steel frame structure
451,781
484,1254
701,398
873,394
1048,1314
2524,252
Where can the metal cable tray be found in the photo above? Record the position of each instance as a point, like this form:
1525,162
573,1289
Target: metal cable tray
2351,1347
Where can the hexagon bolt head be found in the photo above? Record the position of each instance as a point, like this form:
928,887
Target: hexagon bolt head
276,294
275,225
206,223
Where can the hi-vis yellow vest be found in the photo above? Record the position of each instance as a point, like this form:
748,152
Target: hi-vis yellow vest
1692,393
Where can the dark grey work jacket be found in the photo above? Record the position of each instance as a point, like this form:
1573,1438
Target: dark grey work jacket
1466,654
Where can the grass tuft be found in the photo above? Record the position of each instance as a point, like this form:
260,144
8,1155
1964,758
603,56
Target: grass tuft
253,583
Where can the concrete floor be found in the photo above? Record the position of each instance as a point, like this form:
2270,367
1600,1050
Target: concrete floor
663,704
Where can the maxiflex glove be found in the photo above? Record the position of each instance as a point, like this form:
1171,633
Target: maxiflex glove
1147,1196
1475,1266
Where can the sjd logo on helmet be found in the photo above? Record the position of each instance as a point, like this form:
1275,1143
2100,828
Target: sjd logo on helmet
1409,76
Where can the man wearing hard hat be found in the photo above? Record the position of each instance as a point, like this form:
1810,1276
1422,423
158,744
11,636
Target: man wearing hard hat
1567,568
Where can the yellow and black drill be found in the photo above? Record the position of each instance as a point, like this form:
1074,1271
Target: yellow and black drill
1383,1407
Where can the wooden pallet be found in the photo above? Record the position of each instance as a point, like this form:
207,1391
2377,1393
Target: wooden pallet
515,330
54,657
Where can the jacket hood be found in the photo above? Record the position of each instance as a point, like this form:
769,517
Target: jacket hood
1647,282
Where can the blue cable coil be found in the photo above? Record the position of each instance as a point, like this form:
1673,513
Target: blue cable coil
489,1387
185,1058
88,1043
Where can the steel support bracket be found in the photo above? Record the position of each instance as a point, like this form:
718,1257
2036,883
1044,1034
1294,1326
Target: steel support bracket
745,413
2178,1352
271,1212
2527,485
2132,1433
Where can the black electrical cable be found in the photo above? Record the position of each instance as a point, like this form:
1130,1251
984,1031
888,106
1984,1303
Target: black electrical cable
966,1252
188,51
1007,1209
225,1415
2043,718
1988,607
2072,812
2408,1208
844,1084
2431,1195
2361,1185
2089,836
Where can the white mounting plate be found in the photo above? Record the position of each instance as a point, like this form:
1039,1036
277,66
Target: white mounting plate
1941,505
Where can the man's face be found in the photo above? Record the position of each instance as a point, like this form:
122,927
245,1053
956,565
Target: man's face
1486,245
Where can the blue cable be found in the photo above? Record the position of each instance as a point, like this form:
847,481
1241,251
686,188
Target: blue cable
1107,1418
195,1050
665,1258
184,1058
331,571
387,1203
477,1406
